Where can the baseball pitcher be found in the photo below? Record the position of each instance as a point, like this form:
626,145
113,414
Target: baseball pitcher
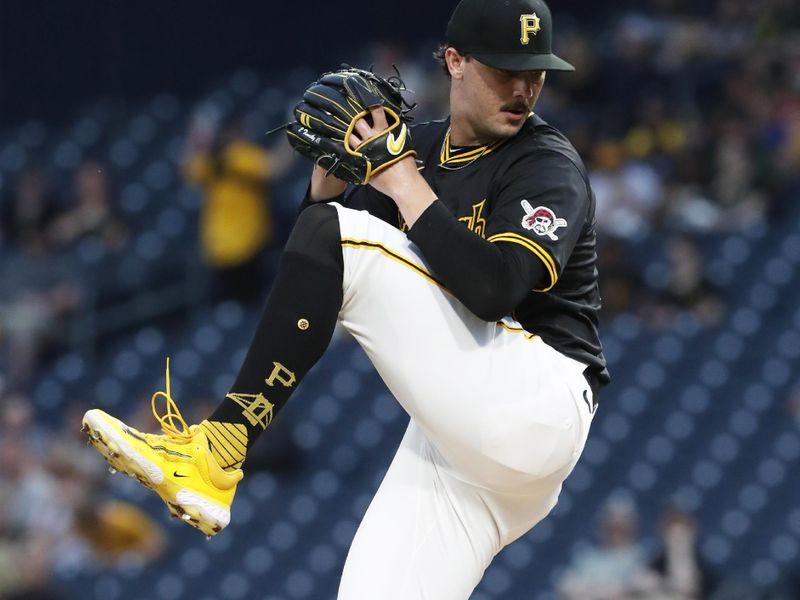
463,261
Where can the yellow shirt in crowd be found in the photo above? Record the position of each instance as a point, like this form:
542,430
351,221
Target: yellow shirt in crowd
235,222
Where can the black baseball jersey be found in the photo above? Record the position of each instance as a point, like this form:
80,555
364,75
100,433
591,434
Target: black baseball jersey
530,191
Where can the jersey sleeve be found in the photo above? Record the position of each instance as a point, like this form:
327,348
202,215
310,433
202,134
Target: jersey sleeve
542,204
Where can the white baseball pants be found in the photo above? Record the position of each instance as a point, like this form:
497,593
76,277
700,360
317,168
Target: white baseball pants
498,421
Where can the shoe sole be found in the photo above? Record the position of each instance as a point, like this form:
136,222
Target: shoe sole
184,504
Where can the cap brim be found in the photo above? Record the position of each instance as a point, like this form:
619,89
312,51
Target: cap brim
524,62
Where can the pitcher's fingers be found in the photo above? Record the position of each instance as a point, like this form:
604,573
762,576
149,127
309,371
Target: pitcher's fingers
363,129
378,118
354,141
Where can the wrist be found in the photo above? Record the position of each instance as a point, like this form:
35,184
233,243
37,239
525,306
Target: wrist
414,199
324,186
403,183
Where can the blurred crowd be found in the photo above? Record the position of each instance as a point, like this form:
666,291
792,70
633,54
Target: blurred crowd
56,513
40,286
688,118
620,565
46,292
690,125
623,563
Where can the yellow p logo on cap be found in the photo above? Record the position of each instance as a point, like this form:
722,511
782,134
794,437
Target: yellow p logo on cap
528,24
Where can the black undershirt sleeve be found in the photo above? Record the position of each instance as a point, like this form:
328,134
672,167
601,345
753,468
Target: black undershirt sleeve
307,201
489,279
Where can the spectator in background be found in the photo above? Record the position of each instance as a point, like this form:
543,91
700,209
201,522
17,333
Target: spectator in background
621,286
70,442
32,209
92,212
31,489
656,136
628,193
734,175
30,323
38,293
17,423
682,574
686,205
25,561
50,498
714,186
686,288
235,221
115,531
616,569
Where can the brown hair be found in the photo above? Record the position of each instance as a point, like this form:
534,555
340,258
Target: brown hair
438,56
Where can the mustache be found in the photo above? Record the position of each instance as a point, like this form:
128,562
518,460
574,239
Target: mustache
520,106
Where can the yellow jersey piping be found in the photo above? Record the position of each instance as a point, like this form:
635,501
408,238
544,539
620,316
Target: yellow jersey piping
446,158
512,329
540,252
369,245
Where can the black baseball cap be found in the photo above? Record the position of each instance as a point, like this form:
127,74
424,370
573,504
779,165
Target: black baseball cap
514,35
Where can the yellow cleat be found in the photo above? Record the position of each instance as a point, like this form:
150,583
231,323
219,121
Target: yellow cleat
178,466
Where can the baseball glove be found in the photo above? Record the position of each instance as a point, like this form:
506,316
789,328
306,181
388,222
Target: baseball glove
328,113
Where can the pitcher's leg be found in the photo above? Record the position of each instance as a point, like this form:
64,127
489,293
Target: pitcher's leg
426,535
432,353
195,470
474,387
294,330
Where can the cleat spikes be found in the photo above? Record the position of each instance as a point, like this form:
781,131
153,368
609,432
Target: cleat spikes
96,435
208,538
186,517
112,470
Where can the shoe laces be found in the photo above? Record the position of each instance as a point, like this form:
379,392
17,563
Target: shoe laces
172,418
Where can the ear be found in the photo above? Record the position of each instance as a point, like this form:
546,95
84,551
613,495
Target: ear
455,62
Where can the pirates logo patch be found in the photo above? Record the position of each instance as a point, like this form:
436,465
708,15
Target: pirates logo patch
541,220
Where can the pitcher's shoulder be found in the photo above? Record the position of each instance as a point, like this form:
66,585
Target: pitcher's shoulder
539,137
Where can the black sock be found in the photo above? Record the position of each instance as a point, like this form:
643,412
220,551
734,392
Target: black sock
295,329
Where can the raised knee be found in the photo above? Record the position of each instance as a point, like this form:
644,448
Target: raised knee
317,234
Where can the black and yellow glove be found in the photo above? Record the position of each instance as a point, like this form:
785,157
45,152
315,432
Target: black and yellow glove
328,113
